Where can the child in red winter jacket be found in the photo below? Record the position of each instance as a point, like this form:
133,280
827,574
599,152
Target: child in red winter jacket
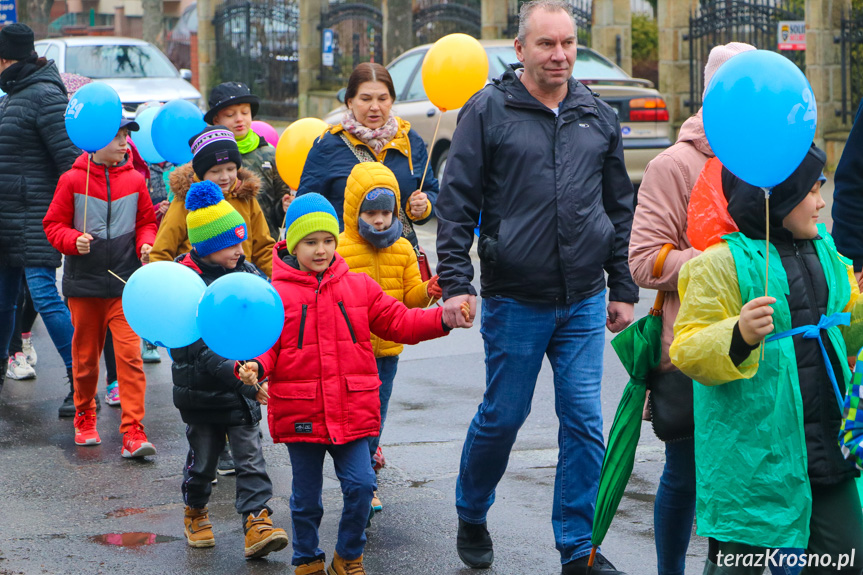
323,378
103,229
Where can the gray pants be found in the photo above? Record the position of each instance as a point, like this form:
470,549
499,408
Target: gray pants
206,441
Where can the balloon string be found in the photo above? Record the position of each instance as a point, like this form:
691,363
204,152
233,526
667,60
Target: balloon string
767,246
431,147
86,194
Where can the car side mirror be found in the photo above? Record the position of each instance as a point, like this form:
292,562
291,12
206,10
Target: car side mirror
186,74
340,95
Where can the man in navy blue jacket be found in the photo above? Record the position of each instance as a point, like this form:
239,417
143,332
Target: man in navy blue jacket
848,197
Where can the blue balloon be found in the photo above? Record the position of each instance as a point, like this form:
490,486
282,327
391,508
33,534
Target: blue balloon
175,123
240,316
93,116
143,138
760,117
160,301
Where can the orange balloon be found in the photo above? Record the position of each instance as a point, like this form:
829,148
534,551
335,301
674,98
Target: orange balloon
293,148
454,69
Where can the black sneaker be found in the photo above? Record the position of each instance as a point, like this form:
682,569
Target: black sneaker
67,409
474,545
226,464
601,565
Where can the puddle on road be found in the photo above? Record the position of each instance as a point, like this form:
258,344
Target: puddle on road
132,539
125,512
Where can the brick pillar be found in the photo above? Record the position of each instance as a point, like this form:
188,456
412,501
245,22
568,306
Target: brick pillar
119,21
206,46
612,19
823,69
495,18
673,22
193,59
397,28
309,51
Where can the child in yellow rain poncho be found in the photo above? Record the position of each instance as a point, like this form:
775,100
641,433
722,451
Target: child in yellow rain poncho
769,470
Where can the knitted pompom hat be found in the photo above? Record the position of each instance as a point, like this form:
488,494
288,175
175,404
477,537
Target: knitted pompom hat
720,55
213,224
308,214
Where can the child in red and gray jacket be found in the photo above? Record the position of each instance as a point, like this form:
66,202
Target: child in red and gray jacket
103,229
323,377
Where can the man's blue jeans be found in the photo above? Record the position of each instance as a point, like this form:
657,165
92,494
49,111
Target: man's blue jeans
387,367
46,300
517,336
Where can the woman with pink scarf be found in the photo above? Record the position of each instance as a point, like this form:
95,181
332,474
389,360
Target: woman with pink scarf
369,132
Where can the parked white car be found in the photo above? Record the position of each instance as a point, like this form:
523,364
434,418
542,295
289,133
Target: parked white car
137,70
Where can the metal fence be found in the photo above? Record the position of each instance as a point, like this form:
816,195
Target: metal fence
755,22
581,9
851,40
357,37
434,19
257,43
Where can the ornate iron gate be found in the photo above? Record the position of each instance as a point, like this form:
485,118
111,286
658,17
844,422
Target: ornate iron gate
581,9
357,37
434,19
721,21
256,43
851,38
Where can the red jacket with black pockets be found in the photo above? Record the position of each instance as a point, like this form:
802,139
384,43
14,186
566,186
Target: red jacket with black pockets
323,377
119,217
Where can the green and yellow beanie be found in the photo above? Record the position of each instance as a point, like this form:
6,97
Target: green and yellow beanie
213,224
308,214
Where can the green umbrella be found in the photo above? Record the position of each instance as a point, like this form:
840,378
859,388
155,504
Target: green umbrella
639,349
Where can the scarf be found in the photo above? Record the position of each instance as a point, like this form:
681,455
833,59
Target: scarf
250,143
18,71
375,139
380,239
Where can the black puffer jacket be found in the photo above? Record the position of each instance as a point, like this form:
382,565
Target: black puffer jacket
34,151
556,200
807,301
205,387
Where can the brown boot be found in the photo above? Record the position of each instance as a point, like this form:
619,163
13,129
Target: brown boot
341,566
198,530
261,537
314,568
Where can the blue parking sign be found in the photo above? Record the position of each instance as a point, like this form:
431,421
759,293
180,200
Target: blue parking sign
7,12
327,51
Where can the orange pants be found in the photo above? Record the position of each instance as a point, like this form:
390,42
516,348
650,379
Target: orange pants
91,317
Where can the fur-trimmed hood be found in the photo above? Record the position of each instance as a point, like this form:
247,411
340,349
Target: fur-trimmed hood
182,179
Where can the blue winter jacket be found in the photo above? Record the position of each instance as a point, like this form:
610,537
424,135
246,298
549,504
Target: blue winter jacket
848,196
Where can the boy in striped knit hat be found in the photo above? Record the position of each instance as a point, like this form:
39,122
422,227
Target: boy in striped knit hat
212,402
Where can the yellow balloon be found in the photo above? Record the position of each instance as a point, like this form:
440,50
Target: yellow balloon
293,148
454,69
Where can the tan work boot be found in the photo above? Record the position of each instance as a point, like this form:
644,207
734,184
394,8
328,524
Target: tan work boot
261,537
341,566
198,529
314,568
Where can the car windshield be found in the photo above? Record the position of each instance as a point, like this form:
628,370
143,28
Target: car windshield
118,61
588,64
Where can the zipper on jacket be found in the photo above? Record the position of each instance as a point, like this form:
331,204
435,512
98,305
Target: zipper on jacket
302,327
348,321
317,291
108,223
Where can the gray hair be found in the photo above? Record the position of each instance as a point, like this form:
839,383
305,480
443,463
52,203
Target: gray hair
549,6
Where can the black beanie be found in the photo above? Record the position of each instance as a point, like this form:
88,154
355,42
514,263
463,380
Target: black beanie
16,42
215,145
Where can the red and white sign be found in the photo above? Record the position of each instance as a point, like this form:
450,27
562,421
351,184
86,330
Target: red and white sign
792,35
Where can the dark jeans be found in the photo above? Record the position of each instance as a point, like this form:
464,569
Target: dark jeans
357,479
517,336
387,367
836,528
674,508
25,317
110,360
206,441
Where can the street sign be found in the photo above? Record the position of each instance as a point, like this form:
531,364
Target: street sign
327,52
792,35
7,12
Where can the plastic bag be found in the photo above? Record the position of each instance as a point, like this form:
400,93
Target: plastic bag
707,216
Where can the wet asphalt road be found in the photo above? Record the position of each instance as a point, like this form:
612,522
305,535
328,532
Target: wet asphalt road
60,504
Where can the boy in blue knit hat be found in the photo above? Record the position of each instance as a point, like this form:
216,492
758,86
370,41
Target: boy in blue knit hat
212,402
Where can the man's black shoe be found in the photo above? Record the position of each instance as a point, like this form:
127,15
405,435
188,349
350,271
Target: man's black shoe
601,566
474,545
68,407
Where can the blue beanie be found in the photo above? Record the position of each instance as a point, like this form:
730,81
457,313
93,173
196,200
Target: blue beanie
308,214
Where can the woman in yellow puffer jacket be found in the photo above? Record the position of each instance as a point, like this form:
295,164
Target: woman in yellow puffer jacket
372,243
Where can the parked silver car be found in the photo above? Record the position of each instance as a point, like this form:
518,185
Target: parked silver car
137,70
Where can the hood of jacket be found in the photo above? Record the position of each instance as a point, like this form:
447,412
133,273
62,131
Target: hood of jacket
284,271
182,179
365,177
746,203
692,131
577,95
31,73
